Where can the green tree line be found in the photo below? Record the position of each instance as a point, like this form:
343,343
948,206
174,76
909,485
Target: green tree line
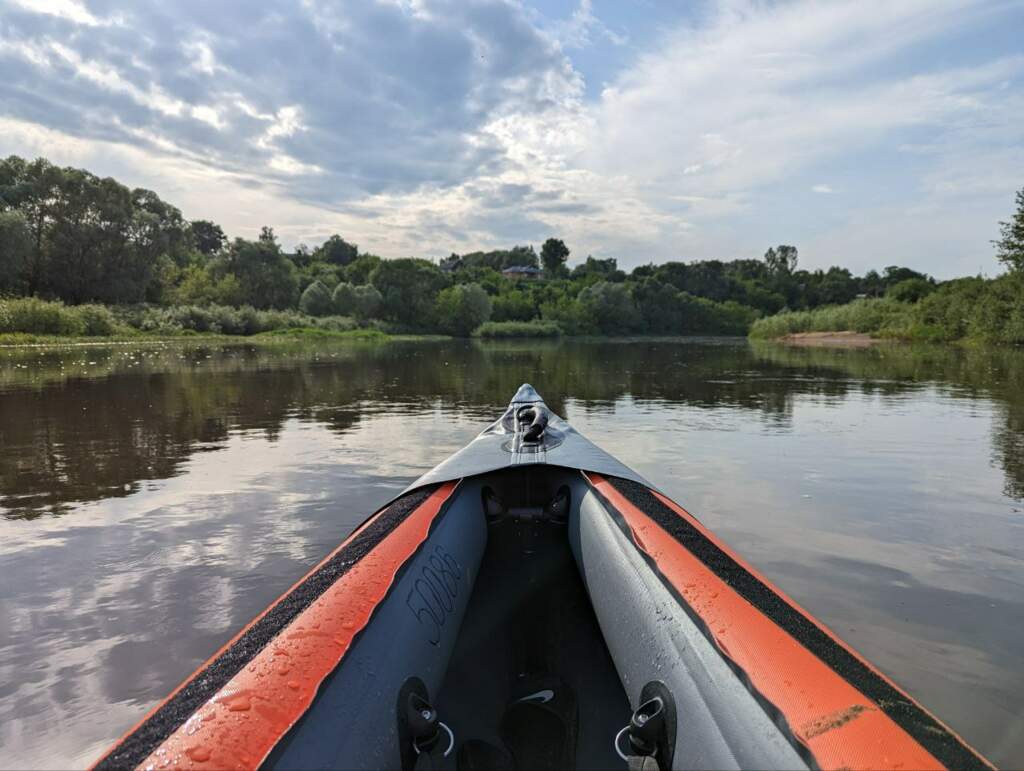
71,236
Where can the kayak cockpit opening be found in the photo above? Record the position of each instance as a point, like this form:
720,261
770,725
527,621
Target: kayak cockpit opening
531,683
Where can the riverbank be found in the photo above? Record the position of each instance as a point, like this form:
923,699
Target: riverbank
25,340
843,339
969,310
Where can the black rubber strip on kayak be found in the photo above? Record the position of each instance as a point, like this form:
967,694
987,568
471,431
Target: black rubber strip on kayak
945,746
774,713
203,685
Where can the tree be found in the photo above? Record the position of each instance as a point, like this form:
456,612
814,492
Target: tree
836,286
409,288
782,260
266,277
316,300
910,291
363,302
601,269
658,305
462,308
358,272
513,305
367,302
15,249
1010,246
553,255
337,251
894,274
207,237
611,307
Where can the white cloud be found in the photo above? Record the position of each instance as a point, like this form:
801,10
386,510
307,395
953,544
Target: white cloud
761,94
822,189
582,26
71,10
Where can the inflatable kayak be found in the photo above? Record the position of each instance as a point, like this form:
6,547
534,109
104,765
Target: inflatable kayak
532,603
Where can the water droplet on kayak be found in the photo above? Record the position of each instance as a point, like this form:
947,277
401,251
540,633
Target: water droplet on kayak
293,685
284,671
198,754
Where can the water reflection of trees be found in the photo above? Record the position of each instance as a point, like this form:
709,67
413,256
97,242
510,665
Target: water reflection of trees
992,373
85,424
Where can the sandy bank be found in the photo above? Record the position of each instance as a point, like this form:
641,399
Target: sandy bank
827,339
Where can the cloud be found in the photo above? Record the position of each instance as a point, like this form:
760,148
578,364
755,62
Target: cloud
379,97
582,26
737,107
426,126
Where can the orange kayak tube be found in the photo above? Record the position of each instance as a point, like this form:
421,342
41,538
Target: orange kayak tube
837,709
241,703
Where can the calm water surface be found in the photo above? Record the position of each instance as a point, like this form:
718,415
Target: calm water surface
153,499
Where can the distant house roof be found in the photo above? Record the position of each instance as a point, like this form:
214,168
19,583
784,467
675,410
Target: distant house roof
522,270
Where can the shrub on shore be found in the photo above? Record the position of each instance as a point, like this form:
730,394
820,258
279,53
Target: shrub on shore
868,316
497,330
30,315
972,309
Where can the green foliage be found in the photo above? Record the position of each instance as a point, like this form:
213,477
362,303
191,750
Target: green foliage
363,302
30,314
91,238
223,320
514,305
15,248
358,272
910,290
324,272
96,320
207,237
336,251
408,289
462,308
611,307
344,299
266,277
607,270
496,260
497,330
69,235
881,317
781,261
34,316
553,255
569,314
316,300
1010,246
368,301
200,285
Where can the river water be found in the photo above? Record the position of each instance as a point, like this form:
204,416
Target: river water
154,498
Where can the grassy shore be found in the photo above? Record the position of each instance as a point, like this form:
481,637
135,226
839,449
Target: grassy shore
504,330
22,339
969,310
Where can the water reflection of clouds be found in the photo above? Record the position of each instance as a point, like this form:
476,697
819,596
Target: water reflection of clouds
161,578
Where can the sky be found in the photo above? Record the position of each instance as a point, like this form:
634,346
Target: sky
865,132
